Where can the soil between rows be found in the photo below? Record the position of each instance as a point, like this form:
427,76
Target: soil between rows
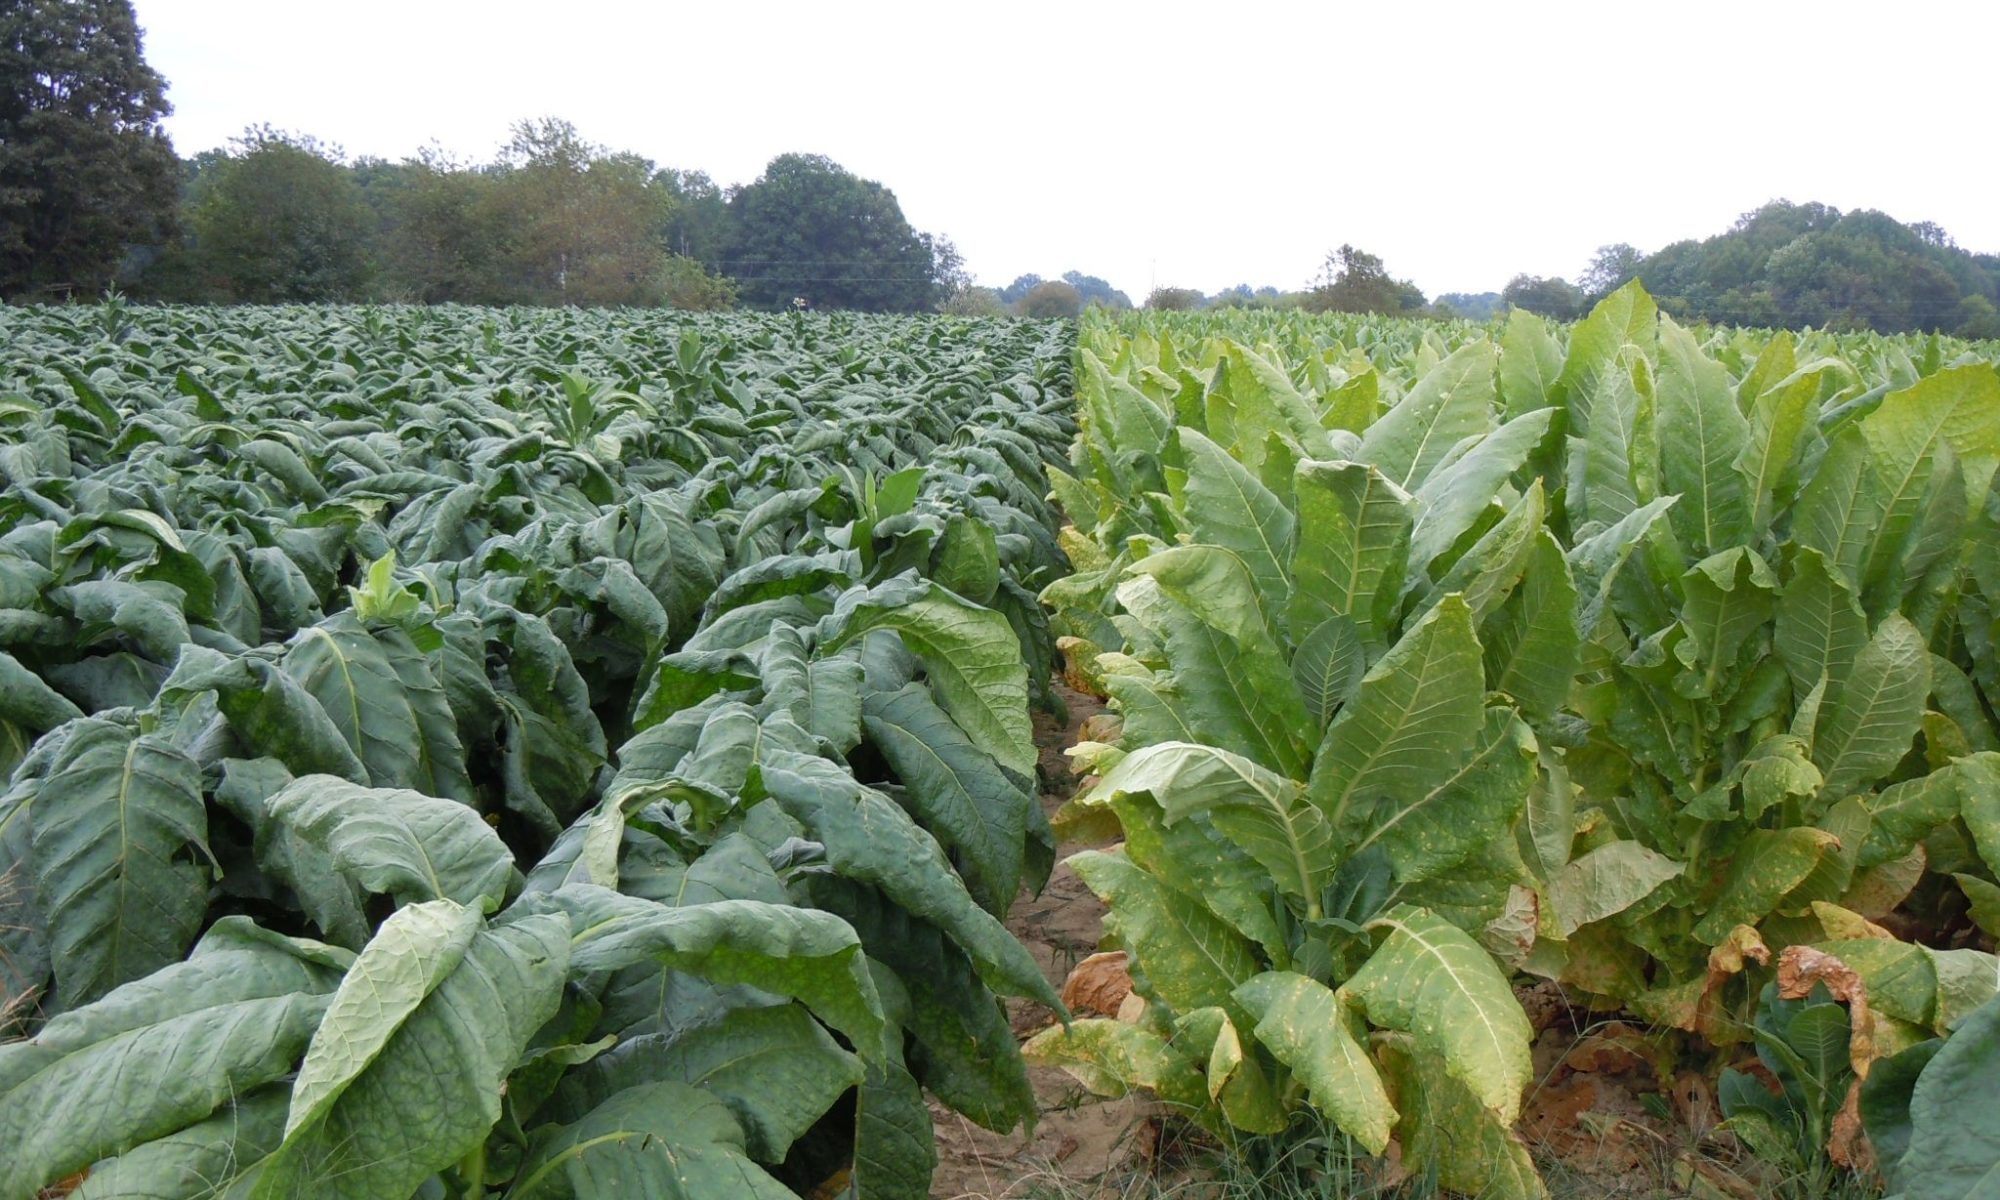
1080,1138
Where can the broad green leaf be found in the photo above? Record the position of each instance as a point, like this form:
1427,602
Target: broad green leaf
663,1139
1530,363
1840,507
1982,899
267,709
954,789
1954,1149
822,694
1821,628
1425,693
1450,403
967,559
371,1113
1447,1127
1201,604
1767,864
1978,779
1111,1058
160,1054
1728,596
1531,640
1606,881
1429,831
774,1066
966,1053
1486,574
1958,408
1450,501
1226,506
408,957
970,656
1353,544
1189,957
869,839
1778,415
810,956
1618,459
149,612
1259,400
1626,321
28,702
1328,665
895,1144
117,836
1236,1079
197,1162
334,902
1299,1021
1596,561
1702,437
1429,979
395,842
1872,715
1195,859
382,698
1259,810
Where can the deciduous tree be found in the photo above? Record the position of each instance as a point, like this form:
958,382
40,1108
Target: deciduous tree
281,219
809,228
85,169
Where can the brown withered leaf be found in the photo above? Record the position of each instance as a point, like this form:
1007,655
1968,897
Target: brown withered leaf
1800,968
1098,984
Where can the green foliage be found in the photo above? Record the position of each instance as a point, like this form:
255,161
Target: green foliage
1791,265
1617,655
280,220
1355,281
1555,298
519,752
1052,300
85,169
1929,1111
1173,299
807,228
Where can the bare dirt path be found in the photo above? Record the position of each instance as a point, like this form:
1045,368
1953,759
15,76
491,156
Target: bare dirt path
1081,1140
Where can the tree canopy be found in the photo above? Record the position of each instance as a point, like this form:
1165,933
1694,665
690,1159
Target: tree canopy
1810,264
1054,298
1355,281
809,228
1553,297
85,169
281,220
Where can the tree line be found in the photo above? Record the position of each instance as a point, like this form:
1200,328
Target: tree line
1791,265
1782,265
93,196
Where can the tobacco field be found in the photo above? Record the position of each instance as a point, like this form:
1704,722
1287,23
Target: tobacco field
460,752
466,752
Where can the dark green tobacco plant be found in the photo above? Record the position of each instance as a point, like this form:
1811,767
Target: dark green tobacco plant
458,753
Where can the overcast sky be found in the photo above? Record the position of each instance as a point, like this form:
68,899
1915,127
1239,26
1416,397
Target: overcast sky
1224,143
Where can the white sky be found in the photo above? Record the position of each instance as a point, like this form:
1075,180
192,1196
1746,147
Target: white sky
1201,147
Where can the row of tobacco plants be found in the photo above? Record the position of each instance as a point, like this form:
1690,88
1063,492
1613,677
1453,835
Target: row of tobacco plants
459,752
1654,662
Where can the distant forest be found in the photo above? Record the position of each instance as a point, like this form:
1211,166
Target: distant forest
1786,265
1790,265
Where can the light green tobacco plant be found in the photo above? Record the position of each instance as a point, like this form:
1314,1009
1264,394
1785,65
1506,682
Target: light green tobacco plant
1319,779
1617,656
